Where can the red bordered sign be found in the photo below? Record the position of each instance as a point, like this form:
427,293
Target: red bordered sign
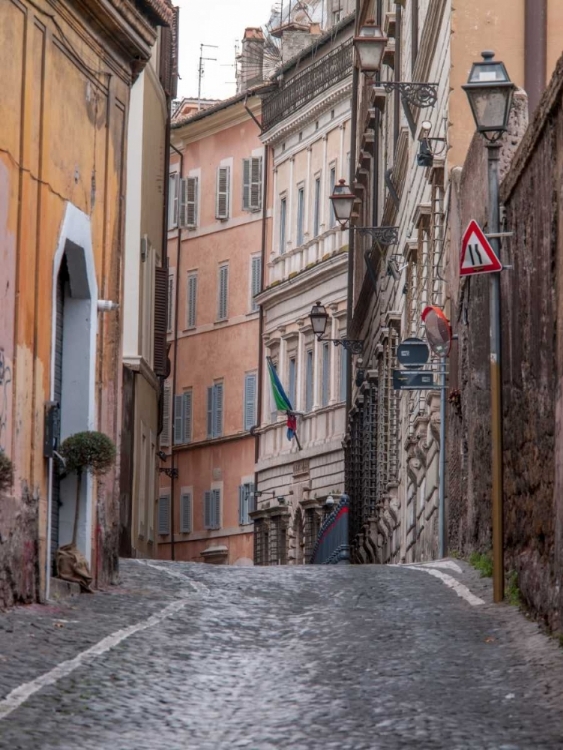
477,255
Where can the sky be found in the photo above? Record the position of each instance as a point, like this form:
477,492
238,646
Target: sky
221,23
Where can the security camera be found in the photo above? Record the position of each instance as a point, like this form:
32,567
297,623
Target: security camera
393,268
425,156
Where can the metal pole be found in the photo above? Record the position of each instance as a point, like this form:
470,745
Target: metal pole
496,380
442,534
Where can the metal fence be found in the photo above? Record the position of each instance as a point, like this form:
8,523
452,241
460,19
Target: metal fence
332,545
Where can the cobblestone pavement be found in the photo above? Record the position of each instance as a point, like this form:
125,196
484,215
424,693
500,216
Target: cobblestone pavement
346,658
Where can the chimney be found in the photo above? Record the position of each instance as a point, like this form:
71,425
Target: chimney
295,37
251,59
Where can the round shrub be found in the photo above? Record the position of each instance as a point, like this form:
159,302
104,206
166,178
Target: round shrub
90,451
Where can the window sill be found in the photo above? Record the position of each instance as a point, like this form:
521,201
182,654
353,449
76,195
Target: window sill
221,322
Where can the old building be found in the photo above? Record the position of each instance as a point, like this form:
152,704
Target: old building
67,71
145,361
216,222
306,130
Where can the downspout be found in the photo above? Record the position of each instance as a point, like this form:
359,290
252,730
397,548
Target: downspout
375,188
175,365
535,51
397,100
261,315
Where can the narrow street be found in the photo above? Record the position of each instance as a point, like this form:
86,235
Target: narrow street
196,656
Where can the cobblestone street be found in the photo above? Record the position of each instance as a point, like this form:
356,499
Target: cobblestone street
194,656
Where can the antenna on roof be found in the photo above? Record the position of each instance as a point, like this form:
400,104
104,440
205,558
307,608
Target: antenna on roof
201,70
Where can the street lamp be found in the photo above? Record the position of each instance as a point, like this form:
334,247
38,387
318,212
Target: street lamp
342,200
319,320
370,45
489,91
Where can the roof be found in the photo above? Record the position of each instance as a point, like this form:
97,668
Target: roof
225,104
162,9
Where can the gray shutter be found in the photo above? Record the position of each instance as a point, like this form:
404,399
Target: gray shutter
309,382
256,183
192,300
246,184
187,416
249,400
191,202
222,197
292,383
165,434
256,282
178,421
326,375
210,412
164,514
241,504
217,409
207,520
183,202
185,513
223,292
251,499
216,508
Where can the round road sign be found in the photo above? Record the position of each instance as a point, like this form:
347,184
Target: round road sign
413,353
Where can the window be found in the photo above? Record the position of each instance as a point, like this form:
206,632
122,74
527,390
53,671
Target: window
192,300
173,200
332,185
222,197
316,218
255,280
336,16
292,381
215,410
246,503
249,400
343,372
283,220
212,509
185,512
165,434
223,295
325,390
183,418
300,214
170,314
309,382
189,202
252,184
164,513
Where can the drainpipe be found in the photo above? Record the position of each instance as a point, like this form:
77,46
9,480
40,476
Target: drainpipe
397,100
261,314
535,51
175,365
375,187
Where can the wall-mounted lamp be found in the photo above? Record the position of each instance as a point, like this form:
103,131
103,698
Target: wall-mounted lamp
319,318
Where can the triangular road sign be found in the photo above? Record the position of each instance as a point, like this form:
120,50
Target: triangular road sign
477,255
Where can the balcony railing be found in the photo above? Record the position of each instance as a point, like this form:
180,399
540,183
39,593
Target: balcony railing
332,545
303,87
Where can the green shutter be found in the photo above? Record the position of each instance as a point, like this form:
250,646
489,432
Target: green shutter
164,514
216,509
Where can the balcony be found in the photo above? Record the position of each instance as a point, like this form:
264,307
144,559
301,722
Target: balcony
301,258
308,84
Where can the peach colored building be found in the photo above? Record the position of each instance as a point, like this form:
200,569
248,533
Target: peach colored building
216,225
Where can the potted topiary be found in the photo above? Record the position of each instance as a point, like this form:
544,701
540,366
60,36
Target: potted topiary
6,471
85,452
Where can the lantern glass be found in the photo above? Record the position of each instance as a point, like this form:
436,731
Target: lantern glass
489,91
319,319
342,200
370,45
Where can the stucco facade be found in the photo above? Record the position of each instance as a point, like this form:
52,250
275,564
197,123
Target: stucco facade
63,137
215,264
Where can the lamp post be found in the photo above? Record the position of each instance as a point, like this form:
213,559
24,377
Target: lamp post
489,91
319,319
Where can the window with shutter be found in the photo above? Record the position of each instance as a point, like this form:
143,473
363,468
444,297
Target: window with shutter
283,220
255,280
252,184
223,296
217,409
191,202
183,209
207,508
210,412
187,416
185,513
216,509
178,420
300,215
292,381
164,514
246,184
222,197
161,316
192,300
325,390
249,400
173,200
165,434
246,503
309,382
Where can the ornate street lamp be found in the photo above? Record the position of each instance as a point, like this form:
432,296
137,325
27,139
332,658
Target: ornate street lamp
319,320
489,91
370,45
342,200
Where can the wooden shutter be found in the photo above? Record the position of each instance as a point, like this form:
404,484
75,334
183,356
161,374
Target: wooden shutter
246,184
184,202
217,409
223,292
192,300
210,412
216,509
256,279
164,514
256,183
326,376
178,420
249,400
207,518
222,197
165,435
185,513
187,416
160,321
191,202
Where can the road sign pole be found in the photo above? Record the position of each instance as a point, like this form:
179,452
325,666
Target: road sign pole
493,150
442,528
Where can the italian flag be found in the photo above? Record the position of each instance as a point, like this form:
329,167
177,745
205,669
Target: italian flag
282,402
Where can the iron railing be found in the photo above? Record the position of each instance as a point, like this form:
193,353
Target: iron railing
303,87
332,545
